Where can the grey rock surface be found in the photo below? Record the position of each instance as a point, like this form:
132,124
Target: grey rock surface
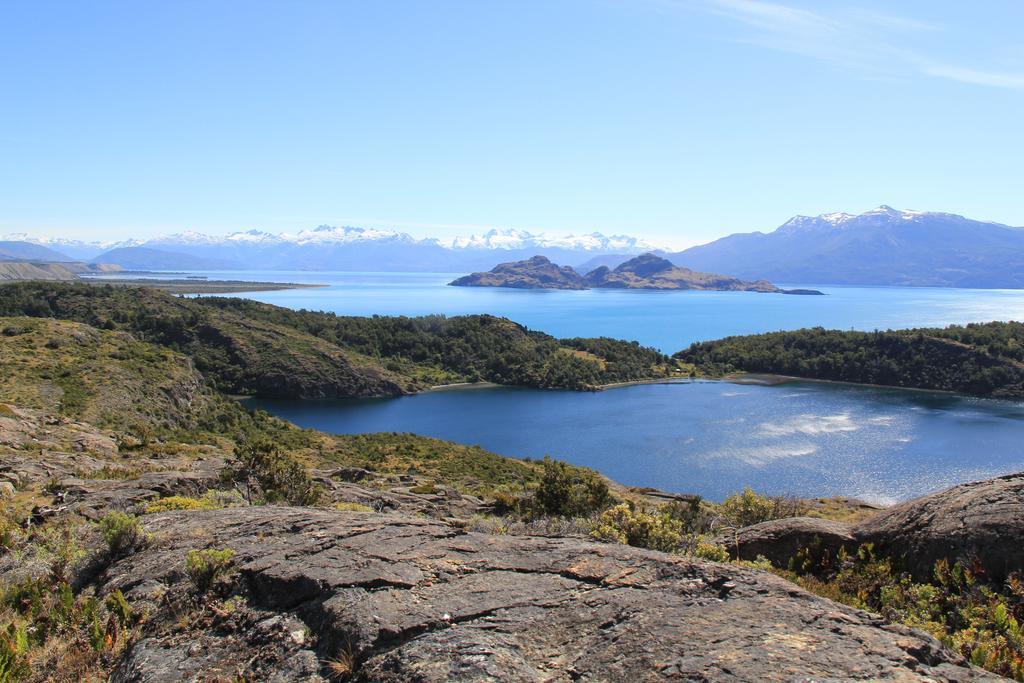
780,539
387,597
982,521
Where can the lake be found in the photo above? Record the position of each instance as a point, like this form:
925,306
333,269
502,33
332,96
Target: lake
712,438
708,438
667,320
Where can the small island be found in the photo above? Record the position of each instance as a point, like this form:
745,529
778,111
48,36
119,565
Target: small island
647,271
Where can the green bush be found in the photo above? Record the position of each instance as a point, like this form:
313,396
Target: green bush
264,472
744,509
209,501
568,492
346,506
205,567
627,525
711,551
122,532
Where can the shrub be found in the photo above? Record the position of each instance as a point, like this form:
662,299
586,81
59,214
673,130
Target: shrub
122,532
984,623
629,526
263,471
568,492
696,516
711,551
744,509
205,567
208,502
346,506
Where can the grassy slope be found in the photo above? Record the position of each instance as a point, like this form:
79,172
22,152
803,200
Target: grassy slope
154,398
249,348
105,378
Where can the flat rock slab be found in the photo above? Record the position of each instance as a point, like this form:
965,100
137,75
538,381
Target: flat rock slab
398,598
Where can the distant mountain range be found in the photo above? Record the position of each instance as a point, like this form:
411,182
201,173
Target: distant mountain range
344,248
883,246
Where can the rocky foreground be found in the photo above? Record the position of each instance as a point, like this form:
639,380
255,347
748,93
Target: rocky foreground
408,593
388,597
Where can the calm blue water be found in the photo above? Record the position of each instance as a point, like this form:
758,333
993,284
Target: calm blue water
712,438
706,438
669,321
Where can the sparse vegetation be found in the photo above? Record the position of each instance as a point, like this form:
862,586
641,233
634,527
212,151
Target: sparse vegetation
48,631
263,472
205,567
984,623
122,532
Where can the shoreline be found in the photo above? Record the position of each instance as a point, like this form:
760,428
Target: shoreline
183,286
771,380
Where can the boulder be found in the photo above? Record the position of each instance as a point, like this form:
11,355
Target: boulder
982,522
389,597
779,540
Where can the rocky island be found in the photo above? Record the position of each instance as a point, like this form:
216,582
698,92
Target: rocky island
647,271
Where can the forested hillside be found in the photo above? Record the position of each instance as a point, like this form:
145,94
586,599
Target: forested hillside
978,359
249,348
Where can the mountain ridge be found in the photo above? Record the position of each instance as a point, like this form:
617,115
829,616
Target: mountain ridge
883,246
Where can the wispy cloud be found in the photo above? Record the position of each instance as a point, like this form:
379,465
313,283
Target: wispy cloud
855,38
974,76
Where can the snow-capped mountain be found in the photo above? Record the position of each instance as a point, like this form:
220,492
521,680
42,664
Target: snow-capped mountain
74,249
346,248
883,246
521,239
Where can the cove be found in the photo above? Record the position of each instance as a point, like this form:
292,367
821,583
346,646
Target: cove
713,438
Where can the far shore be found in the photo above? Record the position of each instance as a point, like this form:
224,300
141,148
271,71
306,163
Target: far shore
184,286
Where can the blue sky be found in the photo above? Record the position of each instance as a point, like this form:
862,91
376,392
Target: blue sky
679,120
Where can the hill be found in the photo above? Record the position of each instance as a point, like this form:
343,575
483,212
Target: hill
648,271
108,379
533,273
880,247
146,258
249,348
979,359
25,270
17,250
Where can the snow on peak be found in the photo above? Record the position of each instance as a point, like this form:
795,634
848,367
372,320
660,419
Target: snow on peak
328,235
344,234
844,220
512,238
